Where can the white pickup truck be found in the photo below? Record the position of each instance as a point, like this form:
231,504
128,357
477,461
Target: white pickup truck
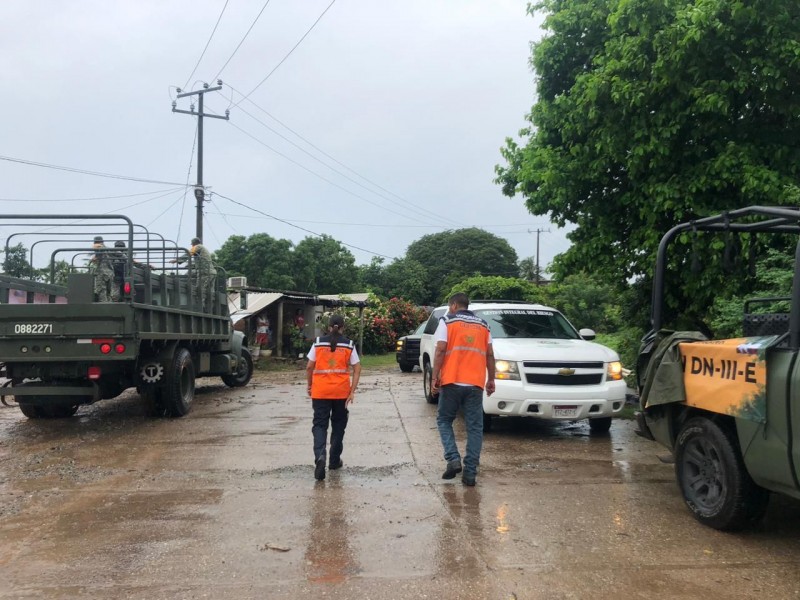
546,369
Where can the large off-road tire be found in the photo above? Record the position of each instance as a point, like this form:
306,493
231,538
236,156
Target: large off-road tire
427,383
712,477
406,367
600,425
32,411
244,371
177,395
37,410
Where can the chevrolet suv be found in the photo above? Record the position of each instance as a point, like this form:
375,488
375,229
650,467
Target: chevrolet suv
546,369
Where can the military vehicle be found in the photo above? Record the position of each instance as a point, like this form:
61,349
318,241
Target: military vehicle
728,409
61,348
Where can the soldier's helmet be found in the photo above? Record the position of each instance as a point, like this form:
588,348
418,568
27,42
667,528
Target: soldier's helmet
119,244
98,240
195,241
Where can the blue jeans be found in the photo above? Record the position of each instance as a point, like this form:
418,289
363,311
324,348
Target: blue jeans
470,400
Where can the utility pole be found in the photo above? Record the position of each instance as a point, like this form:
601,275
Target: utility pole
538,232
199,190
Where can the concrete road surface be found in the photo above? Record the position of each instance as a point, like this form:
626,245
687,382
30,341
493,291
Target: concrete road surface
223,504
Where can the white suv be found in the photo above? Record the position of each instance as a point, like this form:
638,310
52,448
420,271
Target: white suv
545,367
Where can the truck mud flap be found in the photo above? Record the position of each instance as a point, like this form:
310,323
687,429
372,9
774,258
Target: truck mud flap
642,429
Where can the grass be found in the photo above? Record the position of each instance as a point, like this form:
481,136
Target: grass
371,361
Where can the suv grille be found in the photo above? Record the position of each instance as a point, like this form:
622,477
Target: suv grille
547,372
546,379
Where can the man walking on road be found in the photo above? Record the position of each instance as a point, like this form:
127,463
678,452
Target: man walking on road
463,366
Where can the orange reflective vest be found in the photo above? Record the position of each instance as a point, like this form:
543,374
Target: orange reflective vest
467,344
331,378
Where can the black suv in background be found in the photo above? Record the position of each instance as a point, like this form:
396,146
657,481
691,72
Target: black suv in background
408,350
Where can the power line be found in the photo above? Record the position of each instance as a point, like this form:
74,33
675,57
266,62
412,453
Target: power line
338,162
300,41
253,24
85,172
188,79
338,172
298,227
85,199
325,179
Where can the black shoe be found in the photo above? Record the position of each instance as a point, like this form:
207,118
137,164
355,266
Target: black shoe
319,469
468,480
336,464
453,468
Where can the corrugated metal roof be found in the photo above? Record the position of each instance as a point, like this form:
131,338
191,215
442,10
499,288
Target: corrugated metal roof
256,302
359,297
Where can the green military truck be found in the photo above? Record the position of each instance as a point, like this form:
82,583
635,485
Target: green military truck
728,409
60,347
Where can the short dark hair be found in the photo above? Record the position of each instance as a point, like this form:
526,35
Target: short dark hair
459,299
119,244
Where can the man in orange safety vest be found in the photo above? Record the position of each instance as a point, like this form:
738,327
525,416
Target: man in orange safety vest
463,366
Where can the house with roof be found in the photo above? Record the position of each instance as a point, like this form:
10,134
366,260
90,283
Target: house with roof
286,312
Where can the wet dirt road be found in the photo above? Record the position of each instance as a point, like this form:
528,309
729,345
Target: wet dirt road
223,504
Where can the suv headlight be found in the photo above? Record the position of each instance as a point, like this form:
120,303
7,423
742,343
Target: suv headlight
614,371
506,369
399,346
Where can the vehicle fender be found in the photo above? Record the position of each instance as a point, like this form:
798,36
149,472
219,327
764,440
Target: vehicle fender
237,343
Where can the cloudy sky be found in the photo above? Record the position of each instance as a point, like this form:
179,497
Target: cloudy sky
384,124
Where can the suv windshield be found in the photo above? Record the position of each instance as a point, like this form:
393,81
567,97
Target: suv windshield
528,323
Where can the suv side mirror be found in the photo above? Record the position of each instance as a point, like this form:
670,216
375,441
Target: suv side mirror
587,334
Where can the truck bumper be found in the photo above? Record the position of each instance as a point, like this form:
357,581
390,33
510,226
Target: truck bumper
90,389
512,398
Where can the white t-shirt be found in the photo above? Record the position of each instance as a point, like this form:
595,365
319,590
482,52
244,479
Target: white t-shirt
354,360
440,335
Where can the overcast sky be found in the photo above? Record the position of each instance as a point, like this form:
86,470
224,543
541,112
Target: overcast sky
416,97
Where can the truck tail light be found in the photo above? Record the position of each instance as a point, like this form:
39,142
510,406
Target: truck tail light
105,348
93,373
119,348
126,288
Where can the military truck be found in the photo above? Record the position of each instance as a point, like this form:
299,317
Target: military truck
728,409
61,348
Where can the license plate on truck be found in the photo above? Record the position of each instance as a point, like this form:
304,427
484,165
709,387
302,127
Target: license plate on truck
33,328
565,411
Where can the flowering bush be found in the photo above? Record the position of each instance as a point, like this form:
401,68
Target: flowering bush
384,322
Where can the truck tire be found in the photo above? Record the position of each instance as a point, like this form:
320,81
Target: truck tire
32,411
712,477
600,425
243,373
45,411
177,395
427,384
406,367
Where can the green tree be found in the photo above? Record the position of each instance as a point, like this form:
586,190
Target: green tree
264,260
498,288
450,256
406,278
654,113
15,261
322,265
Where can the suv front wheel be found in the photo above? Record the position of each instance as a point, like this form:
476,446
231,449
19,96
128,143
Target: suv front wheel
427,382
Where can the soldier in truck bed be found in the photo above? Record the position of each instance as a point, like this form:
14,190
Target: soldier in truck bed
204,271
104,287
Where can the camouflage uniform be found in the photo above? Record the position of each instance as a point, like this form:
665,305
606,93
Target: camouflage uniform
104,287
204,272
